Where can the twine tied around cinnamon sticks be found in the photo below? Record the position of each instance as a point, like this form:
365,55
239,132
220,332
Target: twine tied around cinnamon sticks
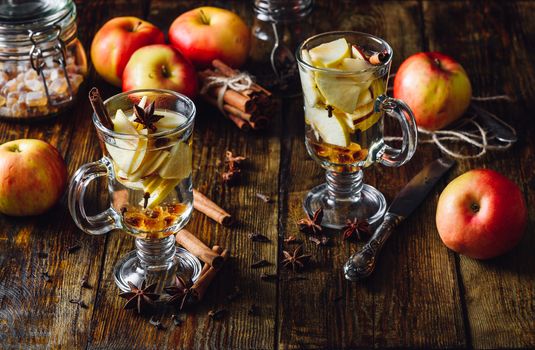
237,96
240,82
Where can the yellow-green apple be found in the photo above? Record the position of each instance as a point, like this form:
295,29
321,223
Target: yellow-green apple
435,87
481,214
33,176
160,67
207,33
116,41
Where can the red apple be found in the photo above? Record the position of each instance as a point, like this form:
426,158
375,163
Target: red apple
32,177
116,41
207,33
160,67
481,214
435,87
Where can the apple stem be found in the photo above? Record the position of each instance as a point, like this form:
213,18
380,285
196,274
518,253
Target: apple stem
204,18
138,24
437,62
474,207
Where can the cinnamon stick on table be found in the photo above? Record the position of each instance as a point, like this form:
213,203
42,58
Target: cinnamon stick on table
196,247
207,275
210,209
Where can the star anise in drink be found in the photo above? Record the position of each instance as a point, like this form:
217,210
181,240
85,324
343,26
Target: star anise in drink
356,229
146,116
296,260
140,299
180,292
312,224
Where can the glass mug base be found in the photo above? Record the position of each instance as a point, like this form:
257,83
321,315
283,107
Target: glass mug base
131,269
369,204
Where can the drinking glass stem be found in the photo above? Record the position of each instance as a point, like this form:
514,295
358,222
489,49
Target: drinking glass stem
157,254
344,186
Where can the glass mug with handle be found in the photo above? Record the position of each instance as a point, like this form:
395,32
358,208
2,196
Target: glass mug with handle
147,163
344,79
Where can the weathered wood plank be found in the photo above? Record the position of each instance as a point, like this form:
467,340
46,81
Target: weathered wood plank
115,328
413,294
494,42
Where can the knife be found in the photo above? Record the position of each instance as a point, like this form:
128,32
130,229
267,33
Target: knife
362,263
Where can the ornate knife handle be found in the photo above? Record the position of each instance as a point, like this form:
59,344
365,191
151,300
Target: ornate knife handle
362,263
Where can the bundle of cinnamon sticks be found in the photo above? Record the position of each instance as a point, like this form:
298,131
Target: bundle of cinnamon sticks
250,108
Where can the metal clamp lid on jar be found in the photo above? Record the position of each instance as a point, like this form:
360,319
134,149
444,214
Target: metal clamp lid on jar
39,39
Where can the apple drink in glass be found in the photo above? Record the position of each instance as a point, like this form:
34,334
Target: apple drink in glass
344,77
147,163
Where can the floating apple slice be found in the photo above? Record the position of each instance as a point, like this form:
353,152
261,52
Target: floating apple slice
332,130
354,64
150,184
339,92
127,153
170,120
178,164
330,54
365,97
151,163
357,53
310,90
160,193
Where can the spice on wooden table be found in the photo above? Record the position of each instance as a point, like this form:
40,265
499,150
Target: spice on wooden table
296,260
246,104
141,299
264,197
260,263
322,241
177,321
292,240
258,237
78,302
208,273
74,248
196,247
156,323
356,229
233,172
204,205
217,314
179,292
311,224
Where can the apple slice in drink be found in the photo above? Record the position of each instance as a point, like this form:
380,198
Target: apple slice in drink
332,130
330,54
153,160
339,91
310,90
169,121
178,164
160,193
127,153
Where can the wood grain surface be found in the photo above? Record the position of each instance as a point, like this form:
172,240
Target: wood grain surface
421,295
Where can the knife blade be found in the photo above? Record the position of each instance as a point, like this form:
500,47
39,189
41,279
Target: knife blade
361,264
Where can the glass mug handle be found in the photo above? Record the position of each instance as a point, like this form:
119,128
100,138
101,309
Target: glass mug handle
97,224
398,109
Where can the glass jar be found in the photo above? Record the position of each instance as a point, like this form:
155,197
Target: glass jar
42,62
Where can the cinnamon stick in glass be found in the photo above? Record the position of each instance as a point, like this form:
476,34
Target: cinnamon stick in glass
196,247
202,284
100,110
210,209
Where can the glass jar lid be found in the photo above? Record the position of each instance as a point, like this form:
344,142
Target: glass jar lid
13,12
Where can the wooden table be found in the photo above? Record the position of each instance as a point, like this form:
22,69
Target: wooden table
422,294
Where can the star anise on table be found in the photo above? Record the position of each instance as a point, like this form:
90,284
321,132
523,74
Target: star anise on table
140,299
356,229
312,224
295,260
146,116
180,292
